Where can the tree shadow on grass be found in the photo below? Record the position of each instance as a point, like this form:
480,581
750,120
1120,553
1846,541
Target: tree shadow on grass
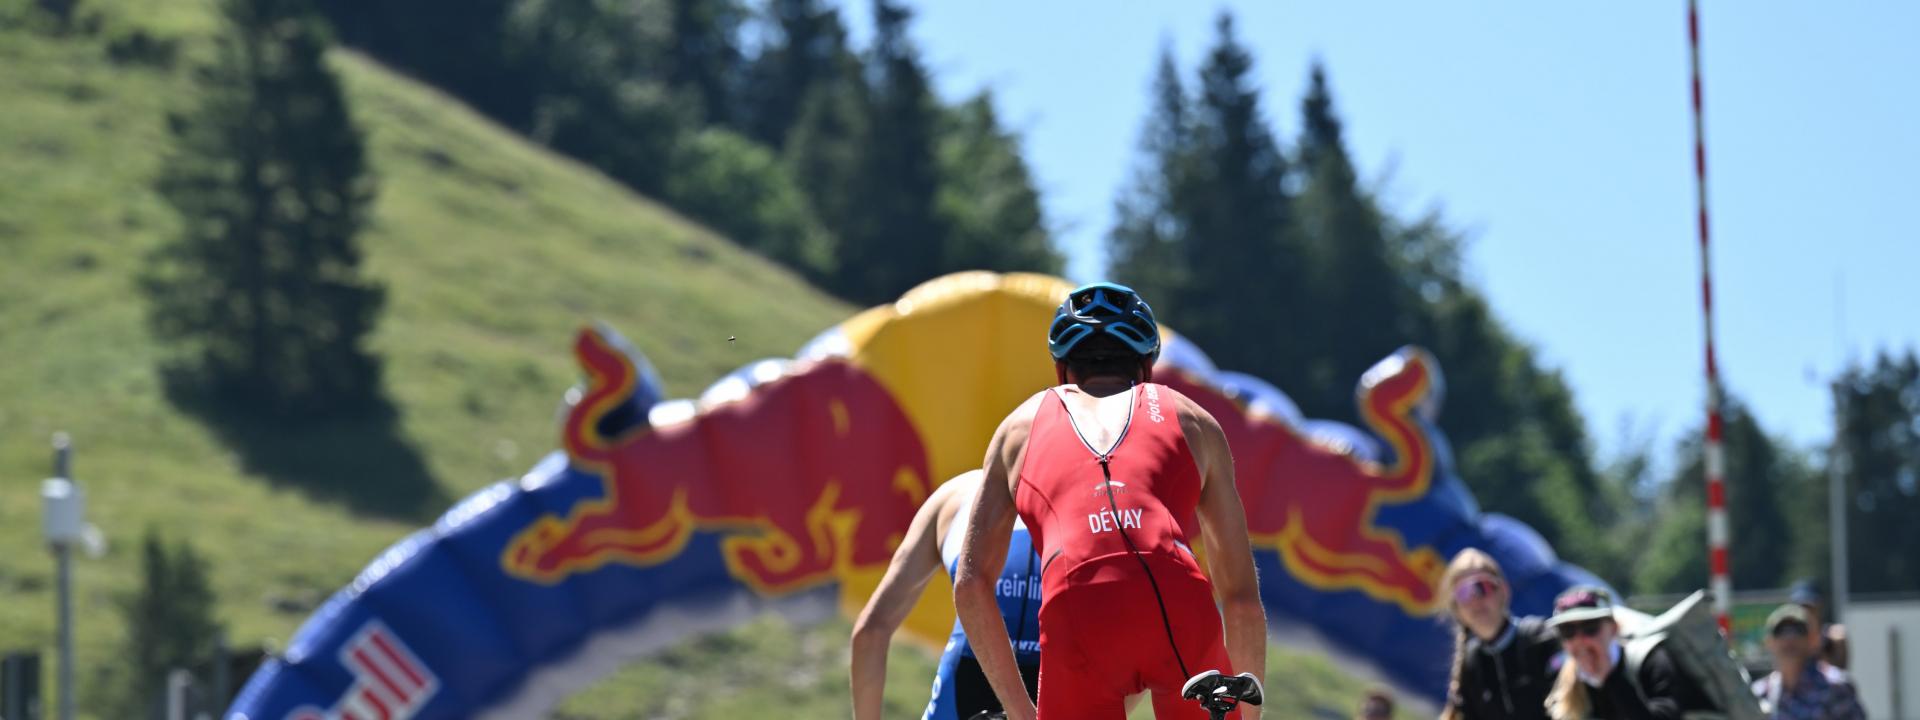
361,459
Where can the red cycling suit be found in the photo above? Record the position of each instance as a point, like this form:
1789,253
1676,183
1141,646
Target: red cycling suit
1102,636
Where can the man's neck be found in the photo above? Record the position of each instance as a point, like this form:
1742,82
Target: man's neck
1790,675
1104,386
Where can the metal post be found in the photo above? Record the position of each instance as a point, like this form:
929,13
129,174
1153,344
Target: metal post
221,659
1837,507
1893,669
178,682
63,560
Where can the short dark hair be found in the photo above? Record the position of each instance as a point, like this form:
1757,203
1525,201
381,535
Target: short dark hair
1103,355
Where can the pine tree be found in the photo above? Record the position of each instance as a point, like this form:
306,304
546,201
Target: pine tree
808,48
170,623
1148,245
1235,211
826,149
263,287
704,58
987,196
1362,311
904,237
458,45
600,93
1878,443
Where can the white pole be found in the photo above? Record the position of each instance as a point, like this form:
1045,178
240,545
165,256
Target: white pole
1718,563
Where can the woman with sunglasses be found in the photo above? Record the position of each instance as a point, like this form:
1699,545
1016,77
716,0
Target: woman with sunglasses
1501,664
1595,683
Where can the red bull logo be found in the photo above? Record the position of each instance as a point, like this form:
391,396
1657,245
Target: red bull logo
1316,506
810,475
389,683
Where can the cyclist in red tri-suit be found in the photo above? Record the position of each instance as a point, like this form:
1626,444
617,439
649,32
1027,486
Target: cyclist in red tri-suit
1112,475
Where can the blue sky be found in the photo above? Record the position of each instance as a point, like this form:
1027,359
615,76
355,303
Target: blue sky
1558,136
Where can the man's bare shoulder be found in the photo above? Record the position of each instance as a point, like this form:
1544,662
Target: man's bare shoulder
944,501
1193,418
958,486
1019,422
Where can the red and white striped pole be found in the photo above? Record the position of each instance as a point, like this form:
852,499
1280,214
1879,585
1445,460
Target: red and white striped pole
1715,458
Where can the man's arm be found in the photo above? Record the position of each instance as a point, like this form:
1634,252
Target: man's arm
914,563
1223,527
989,529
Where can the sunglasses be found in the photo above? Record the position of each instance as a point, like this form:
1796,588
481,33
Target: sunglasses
1790,631
1476,587
1588,628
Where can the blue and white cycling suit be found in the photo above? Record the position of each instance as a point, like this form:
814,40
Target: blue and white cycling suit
959,688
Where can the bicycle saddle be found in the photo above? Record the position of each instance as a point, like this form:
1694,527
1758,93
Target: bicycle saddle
1221,693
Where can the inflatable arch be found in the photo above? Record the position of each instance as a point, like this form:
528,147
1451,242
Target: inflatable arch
788,483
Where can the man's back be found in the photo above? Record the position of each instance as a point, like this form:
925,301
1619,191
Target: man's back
1109,486
1102,478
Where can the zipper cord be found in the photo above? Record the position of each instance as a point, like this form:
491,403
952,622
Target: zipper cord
1164,621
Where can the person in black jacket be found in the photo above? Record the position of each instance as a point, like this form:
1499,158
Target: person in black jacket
1501,664
1595,681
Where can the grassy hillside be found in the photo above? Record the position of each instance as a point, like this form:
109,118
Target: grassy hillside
492,251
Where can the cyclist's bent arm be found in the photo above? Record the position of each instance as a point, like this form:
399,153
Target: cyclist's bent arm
1223,527
914,563
988,531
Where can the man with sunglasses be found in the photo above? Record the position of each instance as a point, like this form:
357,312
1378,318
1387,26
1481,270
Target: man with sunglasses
1595,683
1830,639
1800,686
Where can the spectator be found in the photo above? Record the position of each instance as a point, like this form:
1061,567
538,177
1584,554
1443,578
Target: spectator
1802,687
1596,682
1832,637
1376,705
1501,664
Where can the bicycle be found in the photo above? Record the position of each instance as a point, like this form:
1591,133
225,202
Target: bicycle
1218,693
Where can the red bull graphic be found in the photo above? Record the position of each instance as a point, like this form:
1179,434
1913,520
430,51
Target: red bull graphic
1316,505
810,476
389,682
788,485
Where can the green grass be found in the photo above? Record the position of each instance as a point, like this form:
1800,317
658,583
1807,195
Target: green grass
802,673
493,251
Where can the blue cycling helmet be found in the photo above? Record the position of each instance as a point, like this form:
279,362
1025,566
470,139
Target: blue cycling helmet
1104,307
